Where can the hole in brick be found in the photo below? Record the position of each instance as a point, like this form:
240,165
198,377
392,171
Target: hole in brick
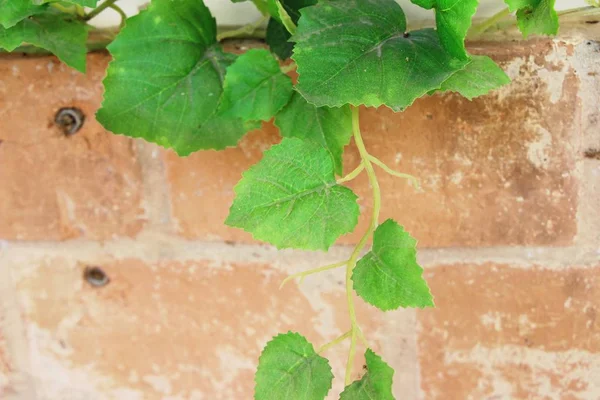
70,120
95,276
594,154
593,22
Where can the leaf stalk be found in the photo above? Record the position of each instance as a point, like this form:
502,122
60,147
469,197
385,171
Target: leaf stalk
304,274
334,342
352,174
413,180
244,31
99,9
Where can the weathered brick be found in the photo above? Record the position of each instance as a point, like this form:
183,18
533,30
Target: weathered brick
56,187
187,330
495,171
5,367
511,333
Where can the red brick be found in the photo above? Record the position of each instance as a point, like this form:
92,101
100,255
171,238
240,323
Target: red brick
503,332
494,171
189,329
56,187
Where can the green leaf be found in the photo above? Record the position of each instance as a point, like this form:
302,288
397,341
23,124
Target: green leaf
479,77
356,52
59,33
376,383
289,368
535,16
165,81
329,127
453,20
278,37
83,3
291,198
255,88
388,276
13,11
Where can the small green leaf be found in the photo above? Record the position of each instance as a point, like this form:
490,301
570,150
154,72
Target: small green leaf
289,368
453,20
535,17
62,34
376,383
291,198
255,88
388,276
329,127
165,81
278,37
479,77
357,52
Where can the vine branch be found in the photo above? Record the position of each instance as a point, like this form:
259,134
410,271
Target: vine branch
99,9
334,342
352,174
304,274
367,162
246,30
413,180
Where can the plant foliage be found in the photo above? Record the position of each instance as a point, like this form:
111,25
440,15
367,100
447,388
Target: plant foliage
173,83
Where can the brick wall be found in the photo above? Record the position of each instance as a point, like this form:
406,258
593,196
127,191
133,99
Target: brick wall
508,222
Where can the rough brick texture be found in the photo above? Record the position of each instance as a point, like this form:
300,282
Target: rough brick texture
56,187
507,221
502,332
184,329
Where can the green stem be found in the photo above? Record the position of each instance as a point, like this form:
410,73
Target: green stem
262,6
99,9
121,13
304,274
413,180
334,342
366,160
352,174
246,30
479,29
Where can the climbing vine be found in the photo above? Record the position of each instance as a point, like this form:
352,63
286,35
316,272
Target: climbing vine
171,82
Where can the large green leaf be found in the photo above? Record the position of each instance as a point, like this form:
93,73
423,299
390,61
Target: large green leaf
357,52
329,127
289,368
255,88
61,34
453,20
479,77
165,81
291,198
376,383
535,16
388,276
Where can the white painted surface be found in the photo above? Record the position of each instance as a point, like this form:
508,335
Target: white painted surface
228,13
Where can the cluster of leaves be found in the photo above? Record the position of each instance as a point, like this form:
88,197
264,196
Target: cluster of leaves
171,82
